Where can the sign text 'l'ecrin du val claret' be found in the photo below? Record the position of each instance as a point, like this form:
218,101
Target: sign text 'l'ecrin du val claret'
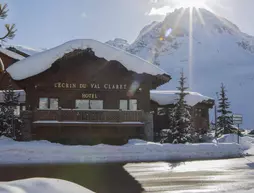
65,85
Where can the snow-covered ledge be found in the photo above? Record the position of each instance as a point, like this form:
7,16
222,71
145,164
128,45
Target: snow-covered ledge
42,61
166,97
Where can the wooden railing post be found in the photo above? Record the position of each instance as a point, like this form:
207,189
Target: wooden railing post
59,114
120,115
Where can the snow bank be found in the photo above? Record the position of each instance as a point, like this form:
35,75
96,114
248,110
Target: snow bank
246,143
136,150
41,185
165,97
42,61
11,54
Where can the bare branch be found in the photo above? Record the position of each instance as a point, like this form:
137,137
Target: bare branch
3,11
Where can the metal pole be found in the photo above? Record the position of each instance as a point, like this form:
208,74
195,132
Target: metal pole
215,117
238,138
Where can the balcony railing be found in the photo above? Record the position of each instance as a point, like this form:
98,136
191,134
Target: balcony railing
105,115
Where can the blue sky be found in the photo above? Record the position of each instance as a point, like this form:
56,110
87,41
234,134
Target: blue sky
48,23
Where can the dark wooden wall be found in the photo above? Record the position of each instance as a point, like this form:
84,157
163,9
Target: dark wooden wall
5,79
82,69
200,119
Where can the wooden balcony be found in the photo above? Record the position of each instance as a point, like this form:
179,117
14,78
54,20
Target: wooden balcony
93,117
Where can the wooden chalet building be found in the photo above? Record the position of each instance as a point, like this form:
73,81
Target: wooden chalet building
86,92
7,59
163,100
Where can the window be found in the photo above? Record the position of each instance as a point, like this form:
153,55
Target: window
82,104
200,112
48,103
96,104
43,103
128,104
123,104
23,107
53,103
133,104
89,104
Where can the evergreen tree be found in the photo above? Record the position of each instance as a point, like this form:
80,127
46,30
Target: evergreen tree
9,28
180,128
9,122
225,121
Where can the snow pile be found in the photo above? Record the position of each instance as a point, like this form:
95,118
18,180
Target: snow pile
246,143
166,97
135,150
42,61
41,185
11,54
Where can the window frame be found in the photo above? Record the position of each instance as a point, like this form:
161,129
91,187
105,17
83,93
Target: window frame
128,104
89,104
48,103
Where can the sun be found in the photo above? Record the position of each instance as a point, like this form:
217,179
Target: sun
191,3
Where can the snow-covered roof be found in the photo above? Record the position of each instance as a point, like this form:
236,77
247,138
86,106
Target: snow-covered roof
42,61
26,50
166,97
11,54
22,97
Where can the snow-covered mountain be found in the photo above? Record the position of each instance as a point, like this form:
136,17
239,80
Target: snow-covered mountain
119,43
217,51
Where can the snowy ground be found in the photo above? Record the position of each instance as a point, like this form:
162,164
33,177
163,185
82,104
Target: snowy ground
136,150
41,185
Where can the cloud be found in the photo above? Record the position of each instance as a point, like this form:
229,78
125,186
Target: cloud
83,15
160,11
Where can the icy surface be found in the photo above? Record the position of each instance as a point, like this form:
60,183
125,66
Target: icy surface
165,97
41,185
135,150
11,54
42,61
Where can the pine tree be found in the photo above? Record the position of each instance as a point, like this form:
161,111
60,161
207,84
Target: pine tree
9,122
9,28
225,121
180,128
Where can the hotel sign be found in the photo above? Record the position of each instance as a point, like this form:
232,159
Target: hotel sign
66,85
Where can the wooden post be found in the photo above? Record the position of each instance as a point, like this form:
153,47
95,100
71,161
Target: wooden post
26,129
120,116
59,114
